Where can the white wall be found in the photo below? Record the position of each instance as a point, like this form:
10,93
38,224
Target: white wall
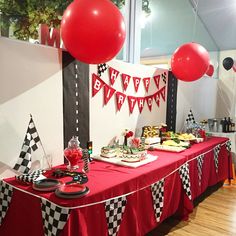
106,122
30,82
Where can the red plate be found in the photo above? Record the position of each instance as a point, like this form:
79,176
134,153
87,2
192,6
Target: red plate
72,188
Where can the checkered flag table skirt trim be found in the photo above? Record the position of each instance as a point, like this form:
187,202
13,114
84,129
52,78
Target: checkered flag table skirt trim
228,145
6,192
114,210
184,175
190,117
102,68
216,156
200,160
54,218
157,190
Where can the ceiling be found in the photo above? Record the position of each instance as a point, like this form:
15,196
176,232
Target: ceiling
173,23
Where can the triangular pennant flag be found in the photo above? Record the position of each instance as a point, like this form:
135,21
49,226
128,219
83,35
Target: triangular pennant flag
162,92
146,83
120,98
228,146
54,217
131,101
31,142
149,100
113,75
184,175
114,209
125,81
108,93
97,84
190,117
158,198
136,81
157,80
164,76
156,97
6,192
102,68
200,160
140,101
216,156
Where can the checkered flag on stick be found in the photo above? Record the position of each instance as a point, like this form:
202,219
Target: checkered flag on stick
102,68
6,192
31,142
200,160
190,117
114,210
184,175
216,156
228,146
54,218
158,198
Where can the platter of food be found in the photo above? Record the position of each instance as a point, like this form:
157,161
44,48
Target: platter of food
169,148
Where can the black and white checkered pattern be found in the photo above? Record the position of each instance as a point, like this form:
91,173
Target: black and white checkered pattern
114,210
32,176
164,76
30,143
228,145
86,160
158,198
190,117
6,192
102,68
184,175
54,218
200,160
216,156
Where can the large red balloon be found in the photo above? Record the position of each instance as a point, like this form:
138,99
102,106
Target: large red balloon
93,31
190,62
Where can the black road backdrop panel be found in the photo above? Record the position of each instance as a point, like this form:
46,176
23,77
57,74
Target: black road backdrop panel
75,99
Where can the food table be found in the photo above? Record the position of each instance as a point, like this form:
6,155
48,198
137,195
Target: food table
122,201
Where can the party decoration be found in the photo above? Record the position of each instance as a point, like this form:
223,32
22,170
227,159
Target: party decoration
132,101
140,101
97,84
146,83
136,81
93,31
149,100
120,98
190,62
234,68
113,75
228,63
108,93
125,81
210,70
157,80
156,97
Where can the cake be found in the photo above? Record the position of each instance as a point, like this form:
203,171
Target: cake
108,152
133,155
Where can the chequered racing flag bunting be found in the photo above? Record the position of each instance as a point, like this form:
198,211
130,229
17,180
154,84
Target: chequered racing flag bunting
200,160
31,142
158,198
54,218
190,117
6,192
184,175
216,156
114,210
32,176
102,68
228,146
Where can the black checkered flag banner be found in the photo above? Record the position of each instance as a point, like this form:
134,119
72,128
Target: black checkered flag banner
114,210
200,160
228,146
102,68
184,175
158,198
85,159
31,142
6,192
54,218
190,117
32,176
216,156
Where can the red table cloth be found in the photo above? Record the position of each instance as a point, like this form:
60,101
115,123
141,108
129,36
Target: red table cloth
108,181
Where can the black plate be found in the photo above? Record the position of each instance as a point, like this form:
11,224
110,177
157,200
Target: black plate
78,195
47,183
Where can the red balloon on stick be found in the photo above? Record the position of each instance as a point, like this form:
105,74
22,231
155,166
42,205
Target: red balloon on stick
190,62
93,31
210,70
